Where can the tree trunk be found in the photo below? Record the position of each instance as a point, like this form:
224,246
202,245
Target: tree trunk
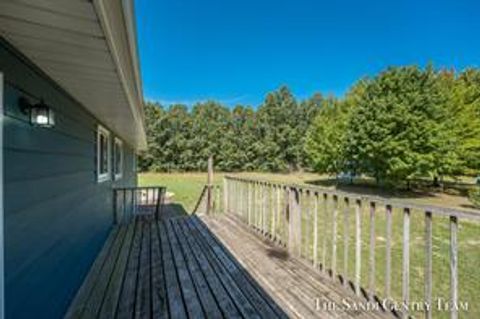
436,182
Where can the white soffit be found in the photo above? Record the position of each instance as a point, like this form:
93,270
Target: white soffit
89,49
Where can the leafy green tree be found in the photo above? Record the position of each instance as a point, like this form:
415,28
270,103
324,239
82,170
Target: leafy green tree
406,122
153,115
238,147
325,138
210,121
466,117
282,123
394,131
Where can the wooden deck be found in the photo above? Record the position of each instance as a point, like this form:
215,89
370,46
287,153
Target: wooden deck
187,267
298,289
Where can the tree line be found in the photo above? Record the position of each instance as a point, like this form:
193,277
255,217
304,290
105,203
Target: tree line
403,123
270,138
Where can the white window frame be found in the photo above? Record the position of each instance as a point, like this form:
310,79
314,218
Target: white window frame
103,177
118,175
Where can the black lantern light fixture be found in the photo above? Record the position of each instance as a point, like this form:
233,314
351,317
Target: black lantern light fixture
40,114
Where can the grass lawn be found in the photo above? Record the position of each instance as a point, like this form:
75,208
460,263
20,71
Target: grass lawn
187,187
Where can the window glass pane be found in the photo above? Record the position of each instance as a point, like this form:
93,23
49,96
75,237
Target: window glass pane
102,153
118,158
103,156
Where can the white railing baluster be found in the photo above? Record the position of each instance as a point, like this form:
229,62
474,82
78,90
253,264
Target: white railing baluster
406,261
334,236
324,231
388,250
358,245
315,230
272,211
453,267
428,264
372,252
346,234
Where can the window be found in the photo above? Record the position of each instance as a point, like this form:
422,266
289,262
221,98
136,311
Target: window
117,158
103,154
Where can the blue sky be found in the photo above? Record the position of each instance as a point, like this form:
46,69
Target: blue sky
237,51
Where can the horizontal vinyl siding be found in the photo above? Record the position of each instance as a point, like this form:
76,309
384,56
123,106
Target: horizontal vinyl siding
56,214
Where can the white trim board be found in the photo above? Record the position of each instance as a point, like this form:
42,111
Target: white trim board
2,215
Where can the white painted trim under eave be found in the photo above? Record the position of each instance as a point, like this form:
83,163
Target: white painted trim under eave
134,102
129,16
2,215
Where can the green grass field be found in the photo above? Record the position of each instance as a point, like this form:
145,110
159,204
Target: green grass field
187,188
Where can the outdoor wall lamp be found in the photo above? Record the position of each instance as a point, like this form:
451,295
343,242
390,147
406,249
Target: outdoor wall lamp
39,114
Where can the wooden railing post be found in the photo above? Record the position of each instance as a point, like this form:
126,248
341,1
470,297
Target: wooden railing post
240,199
255,204
324,229
286,214
406,261
225,194
231,195
278,210
428,264
315,230
358,245
453,267
209,185
234,196
264,208
294,222
388,251
346,234
306,216
372,252
272,211
334,236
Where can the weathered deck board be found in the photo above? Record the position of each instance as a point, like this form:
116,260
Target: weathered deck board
127,302
206,297
292,284
225,303
261,301
187,267
233,289
113,294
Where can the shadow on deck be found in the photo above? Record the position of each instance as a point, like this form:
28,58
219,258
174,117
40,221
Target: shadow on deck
189,267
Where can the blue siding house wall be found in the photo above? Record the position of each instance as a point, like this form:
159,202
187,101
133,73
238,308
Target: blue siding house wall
57,215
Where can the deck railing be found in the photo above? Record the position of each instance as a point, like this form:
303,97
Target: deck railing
129,202
315,224
215,201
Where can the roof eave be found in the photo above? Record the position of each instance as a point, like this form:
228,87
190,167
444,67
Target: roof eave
113,15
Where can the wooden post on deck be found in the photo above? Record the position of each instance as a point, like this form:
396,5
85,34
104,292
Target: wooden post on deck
294,222
225,195
210,185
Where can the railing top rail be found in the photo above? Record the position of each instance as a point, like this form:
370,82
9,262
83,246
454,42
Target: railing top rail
139,187
376,200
